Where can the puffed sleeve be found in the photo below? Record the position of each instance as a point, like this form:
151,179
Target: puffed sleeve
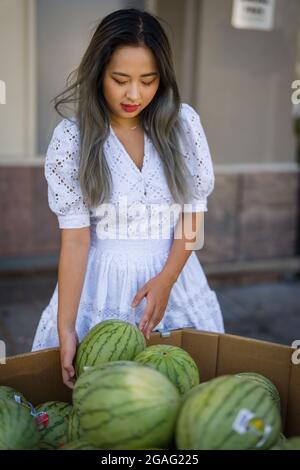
198,159
61,172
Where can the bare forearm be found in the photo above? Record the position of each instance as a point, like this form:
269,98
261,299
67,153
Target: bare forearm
187,228
71,274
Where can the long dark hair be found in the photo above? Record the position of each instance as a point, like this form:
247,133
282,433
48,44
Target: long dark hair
160,119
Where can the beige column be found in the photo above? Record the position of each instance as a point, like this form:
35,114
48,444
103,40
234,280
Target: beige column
17,72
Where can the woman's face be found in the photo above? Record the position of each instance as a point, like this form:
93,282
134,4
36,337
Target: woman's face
131,78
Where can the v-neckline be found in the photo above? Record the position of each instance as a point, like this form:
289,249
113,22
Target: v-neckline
122,147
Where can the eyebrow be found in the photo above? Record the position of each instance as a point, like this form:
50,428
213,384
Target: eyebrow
126,75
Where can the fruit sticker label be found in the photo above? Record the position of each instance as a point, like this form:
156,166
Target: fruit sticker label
19,399
247,422
42,420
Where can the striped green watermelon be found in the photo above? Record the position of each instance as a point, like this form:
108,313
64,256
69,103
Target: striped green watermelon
131,407
85,381
110,340
281,437
79,444
174,362
17,427
228,413
55,433
7,392
74,431
194,390
264,382
292,443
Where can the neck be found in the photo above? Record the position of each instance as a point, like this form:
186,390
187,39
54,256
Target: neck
124,123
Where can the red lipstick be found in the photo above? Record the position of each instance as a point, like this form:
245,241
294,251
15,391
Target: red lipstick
129,108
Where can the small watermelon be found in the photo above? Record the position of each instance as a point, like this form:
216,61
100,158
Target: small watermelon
281,437
130,407
84,382
74,431
264,382
194,390
292,443
55,432
18,429
228,413
174,362
9,393
79,444
110,340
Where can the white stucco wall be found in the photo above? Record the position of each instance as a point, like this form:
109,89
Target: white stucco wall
64,28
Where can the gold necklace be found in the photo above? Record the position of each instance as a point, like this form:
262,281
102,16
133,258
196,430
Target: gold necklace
130,128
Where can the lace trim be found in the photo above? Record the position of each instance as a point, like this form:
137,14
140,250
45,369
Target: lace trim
201,311
62,165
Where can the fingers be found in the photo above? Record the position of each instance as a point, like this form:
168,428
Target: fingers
149,321
138,297
146,317
151,324
68,345
144,321
68,375
67,379
68,371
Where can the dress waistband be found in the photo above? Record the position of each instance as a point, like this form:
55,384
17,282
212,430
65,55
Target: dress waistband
146,246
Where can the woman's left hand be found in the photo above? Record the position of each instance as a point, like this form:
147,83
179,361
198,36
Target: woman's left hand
157,291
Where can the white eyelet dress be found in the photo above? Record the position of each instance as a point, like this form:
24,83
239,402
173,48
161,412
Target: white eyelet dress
126,250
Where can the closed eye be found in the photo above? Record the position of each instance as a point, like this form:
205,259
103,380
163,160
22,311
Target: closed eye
124,83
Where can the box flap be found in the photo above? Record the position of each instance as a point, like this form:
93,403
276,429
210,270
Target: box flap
239,354
293,409
172,337
37,375
203,347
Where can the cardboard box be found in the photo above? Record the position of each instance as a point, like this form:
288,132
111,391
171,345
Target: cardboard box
38,375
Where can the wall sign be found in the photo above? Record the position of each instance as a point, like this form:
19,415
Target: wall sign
253,14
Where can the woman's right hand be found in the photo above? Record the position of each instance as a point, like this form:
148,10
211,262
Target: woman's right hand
68,345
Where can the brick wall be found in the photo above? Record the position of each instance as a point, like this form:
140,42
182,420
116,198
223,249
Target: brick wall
251,216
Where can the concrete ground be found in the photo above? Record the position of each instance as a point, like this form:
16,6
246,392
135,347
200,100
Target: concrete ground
268,311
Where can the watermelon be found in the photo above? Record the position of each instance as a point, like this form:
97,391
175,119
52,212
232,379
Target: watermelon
110,340
7,392
174,362
74,431
228,413
55,432
292,443
18,429
131,407
281,438
194,390
86,378
264,382
79,444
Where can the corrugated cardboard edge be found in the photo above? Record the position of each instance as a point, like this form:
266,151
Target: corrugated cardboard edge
293,407
37,375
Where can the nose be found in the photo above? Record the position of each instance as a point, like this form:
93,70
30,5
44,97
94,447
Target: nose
133,93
